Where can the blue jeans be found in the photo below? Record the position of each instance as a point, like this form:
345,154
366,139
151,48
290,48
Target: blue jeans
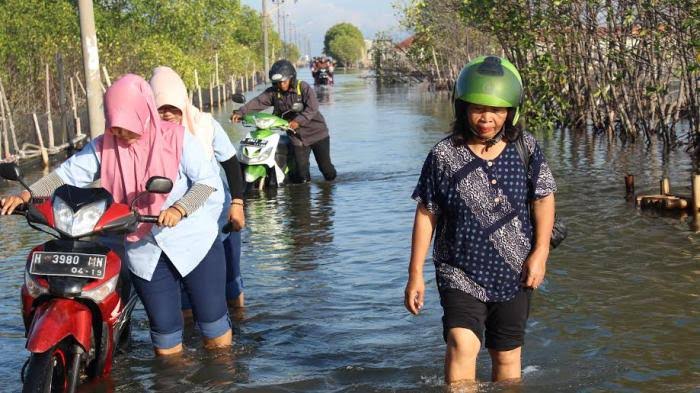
205,288
234,281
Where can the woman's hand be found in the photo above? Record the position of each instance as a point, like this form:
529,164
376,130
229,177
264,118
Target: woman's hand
534,268
414,294
169,217
236,216
293,125
10,203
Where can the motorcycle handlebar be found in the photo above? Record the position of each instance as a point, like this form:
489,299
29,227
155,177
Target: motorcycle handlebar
148,219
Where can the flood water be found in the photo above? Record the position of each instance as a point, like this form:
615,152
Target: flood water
325,265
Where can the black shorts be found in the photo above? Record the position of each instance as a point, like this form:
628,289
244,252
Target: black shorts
503,322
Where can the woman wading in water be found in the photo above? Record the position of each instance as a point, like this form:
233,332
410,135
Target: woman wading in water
491,248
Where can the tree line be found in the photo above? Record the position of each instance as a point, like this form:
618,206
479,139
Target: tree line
133,36
628,68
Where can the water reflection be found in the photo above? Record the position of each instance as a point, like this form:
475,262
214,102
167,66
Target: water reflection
324,94
308,217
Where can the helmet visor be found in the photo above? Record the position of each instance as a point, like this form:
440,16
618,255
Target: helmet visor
277,78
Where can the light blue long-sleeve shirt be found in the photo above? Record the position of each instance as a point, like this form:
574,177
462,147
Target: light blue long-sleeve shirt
223,151
185,244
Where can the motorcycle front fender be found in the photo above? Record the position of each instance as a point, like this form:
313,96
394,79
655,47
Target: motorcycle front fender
57,319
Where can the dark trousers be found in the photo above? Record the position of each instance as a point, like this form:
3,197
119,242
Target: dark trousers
205,287
322,154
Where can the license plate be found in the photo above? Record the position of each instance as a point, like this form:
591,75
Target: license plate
68,264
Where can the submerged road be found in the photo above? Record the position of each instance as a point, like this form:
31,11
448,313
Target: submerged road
324,266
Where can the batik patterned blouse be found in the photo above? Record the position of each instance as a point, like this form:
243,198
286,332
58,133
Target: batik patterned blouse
484,232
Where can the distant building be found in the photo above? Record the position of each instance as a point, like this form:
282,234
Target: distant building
366,59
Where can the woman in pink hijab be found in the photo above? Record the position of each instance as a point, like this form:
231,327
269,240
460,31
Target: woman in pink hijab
174,105
137,145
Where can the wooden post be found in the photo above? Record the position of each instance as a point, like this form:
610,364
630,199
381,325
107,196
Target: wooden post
199,90
696,202
233,85
629,186
49,123
44,153
244,86
3,97
76,118
664,186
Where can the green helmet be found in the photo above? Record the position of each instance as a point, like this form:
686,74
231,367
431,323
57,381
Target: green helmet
491,81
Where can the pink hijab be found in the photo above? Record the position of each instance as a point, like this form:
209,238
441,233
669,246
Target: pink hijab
125,169
169,89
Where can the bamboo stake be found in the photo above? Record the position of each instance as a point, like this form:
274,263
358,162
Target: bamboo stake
9,118
49,122
106,75
223,88
437,67
664,186
76,118
62,101
80,84
211,93
6,144
199,89
44,153
233,85
696,202
216,60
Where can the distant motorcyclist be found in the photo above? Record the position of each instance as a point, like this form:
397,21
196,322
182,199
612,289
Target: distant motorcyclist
310,129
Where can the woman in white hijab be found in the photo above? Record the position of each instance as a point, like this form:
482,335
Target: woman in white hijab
174,105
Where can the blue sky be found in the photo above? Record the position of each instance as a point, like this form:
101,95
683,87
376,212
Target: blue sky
313,17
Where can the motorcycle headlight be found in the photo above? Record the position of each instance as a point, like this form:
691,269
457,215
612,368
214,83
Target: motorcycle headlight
80,223
33,287
265,153
264,123
100,293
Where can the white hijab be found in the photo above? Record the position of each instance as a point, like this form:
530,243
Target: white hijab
169,89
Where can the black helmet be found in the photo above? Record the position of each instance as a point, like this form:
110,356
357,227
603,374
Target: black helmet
281,71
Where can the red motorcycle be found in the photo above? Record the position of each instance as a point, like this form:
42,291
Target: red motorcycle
76,298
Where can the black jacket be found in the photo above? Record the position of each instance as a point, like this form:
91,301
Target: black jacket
312,125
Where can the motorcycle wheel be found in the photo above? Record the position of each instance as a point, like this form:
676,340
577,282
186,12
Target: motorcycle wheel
48,372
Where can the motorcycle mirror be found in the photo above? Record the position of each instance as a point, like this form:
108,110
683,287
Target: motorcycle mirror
238,98
10,171
297,107
154,185
159,185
